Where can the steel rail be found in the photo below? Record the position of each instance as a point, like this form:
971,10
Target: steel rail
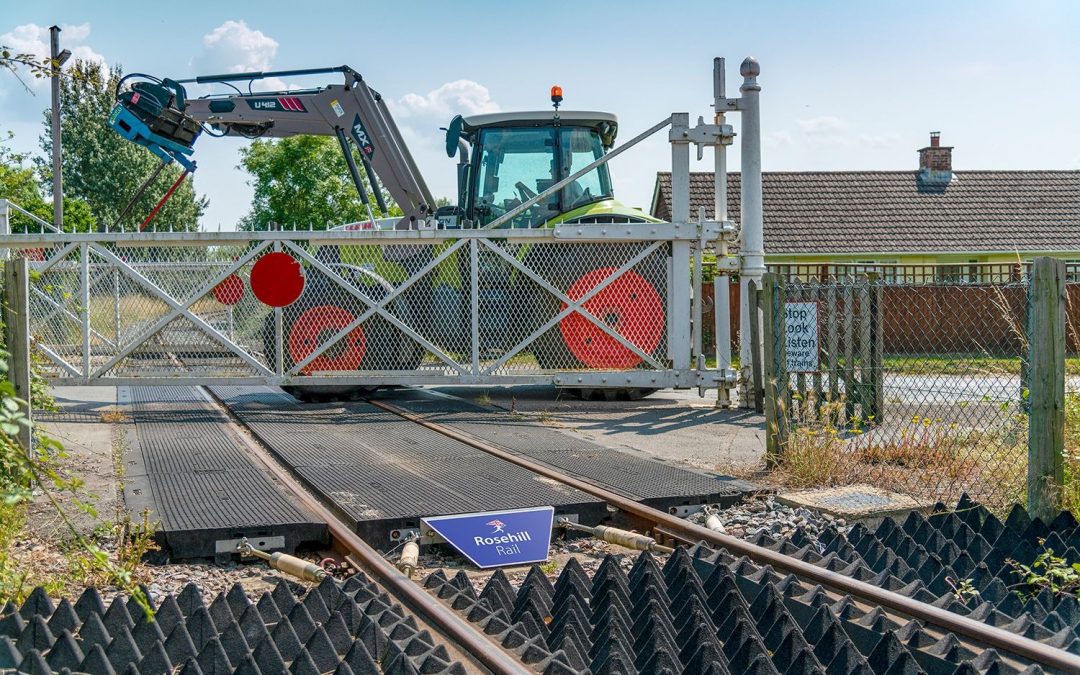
979,632
469,639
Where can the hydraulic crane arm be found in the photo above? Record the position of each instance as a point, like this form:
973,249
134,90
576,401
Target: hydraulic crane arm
346,111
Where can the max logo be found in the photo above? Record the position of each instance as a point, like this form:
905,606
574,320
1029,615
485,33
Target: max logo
497,524
362,140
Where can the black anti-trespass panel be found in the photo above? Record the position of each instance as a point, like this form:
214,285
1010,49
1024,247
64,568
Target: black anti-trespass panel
712,615
188,469
344,628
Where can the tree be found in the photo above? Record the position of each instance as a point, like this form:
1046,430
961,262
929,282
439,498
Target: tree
303,181
16,61
102,168
19,185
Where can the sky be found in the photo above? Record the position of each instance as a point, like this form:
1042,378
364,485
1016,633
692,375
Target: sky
845,85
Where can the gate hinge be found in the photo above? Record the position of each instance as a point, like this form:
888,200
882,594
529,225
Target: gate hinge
704,135
709,230
727,264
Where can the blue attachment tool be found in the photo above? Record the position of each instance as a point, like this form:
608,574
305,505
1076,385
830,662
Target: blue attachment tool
131,127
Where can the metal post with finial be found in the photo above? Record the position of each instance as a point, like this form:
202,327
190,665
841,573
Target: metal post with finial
752,246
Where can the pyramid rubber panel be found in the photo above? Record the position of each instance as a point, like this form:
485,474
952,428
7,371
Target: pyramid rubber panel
350,627
694,615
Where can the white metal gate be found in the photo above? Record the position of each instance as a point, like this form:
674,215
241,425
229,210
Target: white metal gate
600,305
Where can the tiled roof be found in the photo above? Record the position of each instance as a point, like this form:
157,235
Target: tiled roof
891,212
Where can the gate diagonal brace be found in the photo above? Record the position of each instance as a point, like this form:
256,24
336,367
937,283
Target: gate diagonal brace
573,306
377,307
179,309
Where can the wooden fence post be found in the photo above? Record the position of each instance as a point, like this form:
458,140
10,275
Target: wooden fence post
876,389
1046,397
756,350
851,389
774,380
17,333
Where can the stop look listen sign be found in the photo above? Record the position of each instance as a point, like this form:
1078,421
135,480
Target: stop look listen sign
801,336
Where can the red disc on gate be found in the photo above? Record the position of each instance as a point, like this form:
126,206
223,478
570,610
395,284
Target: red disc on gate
629,305
277,279
230,290
315,327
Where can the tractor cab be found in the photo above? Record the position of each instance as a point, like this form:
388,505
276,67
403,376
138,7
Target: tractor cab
508,158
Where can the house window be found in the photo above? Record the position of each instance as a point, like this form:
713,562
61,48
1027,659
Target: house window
885,269
1072,271
967,272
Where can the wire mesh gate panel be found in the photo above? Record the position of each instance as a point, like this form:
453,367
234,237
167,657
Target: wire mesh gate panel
591,305
908,386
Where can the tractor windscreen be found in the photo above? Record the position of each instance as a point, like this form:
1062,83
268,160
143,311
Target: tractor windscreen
517,163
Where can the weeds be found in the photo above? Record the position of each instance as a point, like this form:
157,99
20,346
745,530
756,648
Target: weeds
1047,571
1069,497
962,590
920,455
113,416
133,539
814,453
25,474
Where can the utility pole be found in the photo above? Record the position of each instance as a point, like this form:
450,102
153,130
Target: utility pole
56,60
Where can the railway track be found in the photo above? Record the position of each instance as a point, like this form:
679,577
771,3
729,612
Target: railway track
488,654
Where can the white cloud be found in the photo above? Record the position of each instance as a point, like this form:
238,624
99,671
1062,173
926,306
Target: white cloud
31,38
826,124
460,97
778,139
233,47
885,140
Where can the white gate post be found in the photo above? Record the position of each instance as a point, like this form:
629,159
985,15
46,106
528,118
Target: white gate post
752,249
721,303
680,288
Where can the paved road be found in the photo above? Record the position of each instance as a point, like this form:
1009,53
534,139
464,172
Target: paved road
671,425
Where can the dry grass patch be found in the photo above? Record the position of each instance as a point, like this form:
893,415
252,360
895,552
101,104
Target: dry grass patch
921,457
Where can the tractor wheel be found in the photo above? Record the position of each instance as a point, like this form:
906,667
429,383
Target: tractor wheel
321,312
631,304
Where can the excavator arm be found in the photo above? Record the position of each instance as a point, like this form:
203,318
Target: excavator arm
351,112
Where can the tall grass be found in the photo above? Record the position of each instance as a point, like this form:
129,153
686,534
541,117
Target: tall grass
1070,491
919,456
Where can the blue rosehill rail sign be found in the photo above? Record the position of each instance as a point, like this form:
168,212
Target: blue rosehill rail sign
498,538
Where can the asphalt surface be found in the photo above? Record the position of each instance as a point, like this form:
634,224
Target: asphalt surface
672,425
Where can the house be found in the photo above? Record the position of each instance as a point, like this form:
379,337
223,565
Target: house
965,220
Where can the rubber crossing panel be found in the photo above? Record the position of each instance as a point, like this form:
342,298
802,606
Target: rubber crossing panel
645,479
383,473
192,472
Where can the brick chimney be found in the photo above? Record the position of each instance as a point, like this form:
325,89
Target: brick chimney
935,161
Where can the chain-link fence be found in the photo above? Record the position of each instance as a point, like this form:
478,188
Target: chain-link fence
914,386
1070,498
